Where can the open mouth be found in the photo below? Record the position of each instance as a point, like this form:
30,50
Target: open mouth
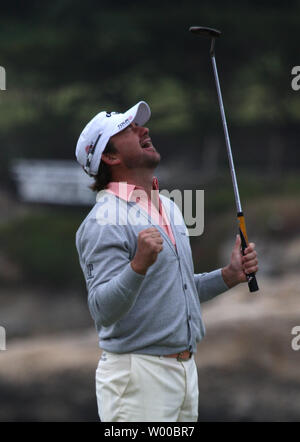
146,143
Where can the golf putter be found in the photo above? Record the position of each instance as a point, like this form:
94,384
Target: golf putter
213,34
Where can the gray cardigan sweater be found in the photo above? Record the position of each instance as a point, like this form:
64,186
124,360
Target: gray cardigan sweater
158,313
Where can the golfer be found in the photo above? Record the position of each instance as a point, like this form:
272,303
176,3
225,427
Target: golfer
143,295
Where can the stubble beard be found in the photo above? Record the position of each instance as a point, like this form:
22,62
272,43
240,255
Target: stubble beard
145,162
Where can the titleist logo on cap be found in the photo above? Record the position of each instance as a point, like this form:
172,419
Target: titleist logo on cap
124,122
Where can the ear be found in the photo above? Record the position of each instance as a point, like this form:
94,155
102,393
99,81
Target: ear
110,158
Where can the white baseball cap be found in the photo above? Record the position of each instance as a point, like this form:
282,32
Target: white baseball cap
96,134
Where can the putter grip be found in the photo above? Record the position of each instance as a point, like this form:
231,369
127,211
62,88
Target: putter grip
252,283
251,278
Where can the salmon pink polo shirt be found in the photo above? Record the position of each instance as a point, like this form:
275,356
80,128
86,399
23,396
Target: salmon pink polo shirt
153,206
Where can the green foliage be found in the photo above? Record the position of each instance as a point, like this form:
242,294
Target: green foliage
43,246
67,60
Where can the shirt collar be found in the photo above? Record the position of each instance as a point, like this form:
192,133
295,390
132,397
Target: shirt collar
124,190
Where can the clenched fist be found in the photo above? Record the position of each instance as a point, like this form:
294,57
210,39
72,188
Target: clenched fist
150,243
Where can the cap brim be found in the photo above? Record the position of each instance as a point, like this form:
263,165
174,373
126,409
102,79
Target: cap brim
140,113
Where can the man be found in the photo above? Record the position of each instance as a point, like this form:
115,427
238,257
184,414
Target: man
142,291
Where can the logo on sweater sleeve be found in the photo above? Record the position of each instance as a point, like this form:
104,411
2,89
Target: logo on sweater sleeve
89,271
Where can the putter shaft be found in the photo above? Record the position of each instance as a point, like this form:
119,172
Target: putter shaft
227,139
252,283
213,34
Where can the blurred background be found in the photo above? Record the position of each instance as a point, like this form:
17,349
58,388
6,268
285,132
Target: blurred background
67,60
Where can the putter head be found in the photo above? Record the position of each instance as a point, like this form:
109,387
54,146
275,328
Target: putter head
205,32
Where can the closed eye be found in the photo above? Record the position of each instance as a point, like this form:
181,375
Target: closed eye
131,126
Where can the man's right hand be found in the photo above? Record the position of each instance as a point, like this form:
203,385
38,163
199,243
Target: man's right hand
150,244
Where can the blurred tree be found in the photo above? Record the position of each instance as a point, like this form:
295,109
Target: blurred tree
66,60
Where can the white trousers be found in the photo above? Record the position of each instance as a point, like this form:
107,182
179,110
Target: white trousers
141,388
